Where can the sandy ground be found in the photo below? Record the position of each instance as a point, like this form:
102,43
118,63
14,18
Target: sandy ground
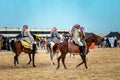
103,64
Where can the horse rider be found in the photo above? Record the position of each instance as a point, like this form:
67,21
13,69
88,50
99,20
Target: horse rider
77,39
82,33
26,35
55,35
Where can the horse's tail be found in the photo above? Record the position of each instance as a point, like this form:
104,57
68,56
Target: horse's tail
55,47
12,43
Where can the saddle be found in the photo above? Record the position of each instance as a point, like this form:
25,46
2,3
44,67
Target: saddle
25,43
74,48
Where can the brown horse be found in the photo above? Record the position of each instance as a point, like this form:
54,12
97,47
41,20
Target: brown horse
70,47
18,48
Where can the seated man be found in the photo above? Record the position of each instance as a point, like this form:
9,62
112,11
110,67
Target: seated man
26,35
55,35
77,39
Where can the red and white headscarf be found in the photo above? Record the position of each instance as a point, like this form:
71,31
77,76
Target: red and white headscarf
75,26
53,30
24,28
82,29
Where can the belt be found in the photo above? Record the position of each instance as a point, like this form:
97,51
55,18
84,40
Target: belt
25,36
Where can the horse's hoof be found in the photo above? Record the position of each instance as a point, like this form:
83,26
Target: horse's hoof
53,63
57,68
86,67
28,62
14,65
76,67
65,68
34,66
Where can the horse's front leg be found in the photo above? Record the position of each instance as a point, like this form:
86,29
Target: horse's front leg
15,59
84,61
51,57
29,58
58,61
33,57
63,61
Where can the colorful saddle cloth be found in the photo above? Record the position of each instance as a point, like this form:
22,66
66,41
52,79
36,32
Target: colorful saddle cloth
26,44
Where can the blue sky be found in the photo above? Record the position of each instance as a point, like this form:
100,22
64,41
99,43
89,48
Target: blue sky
97,16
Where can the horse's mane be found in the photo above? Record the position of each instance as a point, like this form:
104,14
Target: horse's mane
89,36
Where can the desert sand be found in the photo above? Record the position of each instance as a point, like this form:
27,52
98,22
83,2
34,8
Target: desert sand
103,64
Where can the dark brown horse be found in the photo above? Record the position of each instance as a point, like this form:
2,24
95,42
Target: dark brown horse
18,48
70,47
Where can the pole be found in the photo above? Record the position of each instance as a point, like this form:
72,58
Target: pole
5,31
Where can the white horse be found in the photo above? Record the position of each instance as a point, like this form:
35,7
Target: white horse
50,49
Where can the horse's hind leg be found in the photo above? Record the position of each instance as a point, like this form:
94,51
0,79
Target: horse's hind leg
49,49
62,56
51,57
29,58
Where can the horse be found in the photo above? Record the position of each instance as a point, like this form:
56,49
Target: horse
50,50
50,45
18,48
72,48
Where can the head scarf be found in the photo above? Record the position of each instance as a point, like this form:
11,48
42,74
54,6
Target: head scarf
82,29
24,28
75,26
53,30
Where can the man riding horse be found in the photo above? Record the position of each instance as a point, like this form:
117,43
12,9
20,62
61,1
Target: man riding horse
77,38
55,35
26,35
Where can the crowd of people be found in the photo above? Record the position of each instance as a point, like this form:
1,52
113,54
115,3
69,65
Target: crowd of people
109,42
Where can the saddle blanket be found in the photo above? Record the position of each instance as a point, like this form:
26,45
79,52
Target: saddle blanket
25,43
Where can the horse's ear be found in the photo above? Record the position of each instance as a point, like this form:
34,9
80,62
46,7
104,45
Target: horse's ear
93,34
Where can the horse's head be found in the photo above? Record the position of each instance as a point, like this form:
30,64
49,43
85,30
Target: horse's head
95,38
